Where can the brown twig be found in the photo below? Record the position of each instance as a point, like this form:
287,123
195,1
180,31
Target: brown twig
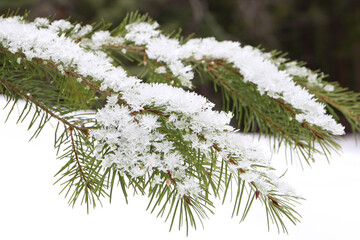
39,105
77,159
331,102
171,178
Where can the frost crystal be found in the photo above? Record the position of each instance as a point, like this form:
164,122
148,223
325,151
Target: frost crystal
160,70
141,32
82,31
60,25
41,22
329,88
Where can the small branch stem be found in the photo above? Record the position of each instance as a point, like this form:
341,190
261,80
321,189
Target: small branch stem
77,159
39,105
337,105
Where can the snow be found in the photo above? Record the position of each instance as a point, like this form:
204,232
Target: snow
36,40
254,65
130,141
30,207
192,109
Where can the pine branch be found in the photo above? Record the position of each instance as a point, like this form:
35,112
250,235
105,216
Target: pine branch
153,136
268,123
345,101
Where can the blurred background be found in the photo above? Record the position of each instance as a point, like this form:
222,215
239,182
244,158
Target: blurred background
323,33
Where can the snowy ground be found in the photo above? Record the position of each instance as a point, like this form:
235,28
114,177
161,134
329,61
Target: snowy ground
30,207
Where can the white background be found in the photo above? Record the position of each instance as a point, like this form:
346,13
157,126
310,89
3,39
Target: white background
30,207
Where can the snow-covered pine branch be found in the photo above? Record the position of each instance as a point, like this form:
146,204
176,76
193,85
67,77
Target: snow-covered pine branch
166,141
